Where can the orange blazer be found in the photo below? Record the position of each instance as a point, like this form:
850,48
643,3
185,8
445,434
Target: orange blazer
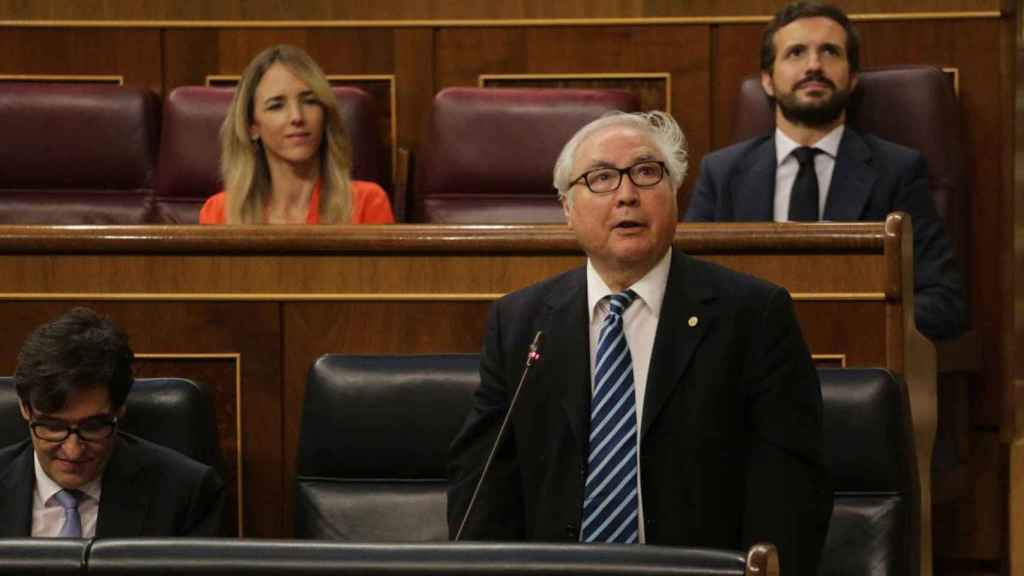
370,205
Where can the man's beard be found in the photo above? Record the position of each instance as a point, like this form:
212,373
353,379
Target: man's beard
815,114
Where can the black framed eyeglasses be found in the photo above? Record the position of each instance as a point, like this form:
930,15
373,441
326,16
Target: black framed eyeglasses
607,180
93,429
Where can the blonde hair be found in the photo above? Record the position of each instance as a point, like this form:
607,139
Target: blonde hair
243,163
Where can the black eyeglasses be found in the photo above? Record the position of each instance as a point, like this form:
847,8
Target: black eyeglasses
606,180
93,429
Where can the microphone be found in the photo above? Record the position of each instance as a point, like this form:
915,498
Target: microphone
531,357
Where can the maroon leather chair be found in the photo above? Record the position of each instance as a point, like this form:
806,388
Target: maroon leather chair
76,154
911,105
488,153
189,166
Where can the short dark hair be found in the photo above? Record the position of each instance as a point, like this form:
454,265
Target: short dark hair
78,351
798,10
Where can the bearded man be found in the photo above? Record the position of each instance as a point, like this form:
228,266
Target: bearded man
813,167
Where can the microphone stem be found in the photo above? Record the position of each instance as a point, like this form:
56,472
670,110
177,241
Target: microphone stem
532,356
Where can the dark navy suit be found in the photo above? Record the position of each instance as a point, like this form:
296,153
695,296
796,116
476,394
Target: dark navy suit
872,177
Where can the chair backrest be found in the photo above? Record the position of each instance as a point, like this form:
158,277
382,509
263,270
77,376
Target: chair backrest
281,558
374,445
49,556
172,412
376,429
189,164
488,153
870,451
915,106
77,154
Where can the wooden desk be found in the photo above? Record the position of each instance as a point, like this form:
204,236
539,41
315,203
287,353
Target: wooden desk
248,309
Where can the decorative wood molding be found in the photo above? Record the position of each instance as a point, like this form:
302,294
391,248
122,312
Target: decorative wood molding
476,23
237,359
664,77
838,360
68,78
353,297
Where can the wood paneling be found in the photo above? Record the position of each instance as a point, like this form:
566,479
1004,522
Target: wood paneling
705,60
134,54
464,54
219,375
281,296
437,9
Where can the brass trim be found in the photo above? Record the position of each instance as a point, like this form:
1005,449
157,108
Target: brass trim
237,358
955,71
665,76
352,296
839,296
475,23
840,357
258,297
211,78
69,78
392,81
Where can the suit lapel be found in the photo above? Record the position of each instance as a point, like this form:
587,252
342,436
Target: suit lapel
852,179
567,346
753,189
124,501
687,313
17,483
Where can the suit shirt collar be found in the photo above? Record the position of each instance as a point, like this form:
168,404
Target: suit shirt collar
650,289
829,144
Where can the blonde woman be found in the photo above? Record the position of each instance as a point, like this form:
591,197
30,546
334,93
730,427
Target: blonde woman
285,156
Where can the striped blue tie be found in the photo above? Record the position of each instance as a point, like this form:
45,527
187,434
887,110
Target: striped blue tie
610,505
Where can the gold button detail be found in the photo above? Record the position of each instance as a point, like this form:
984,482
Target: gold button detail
692,321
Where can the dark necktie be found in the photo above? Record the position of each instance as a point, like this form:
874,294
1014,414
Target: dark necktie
803,201
610,505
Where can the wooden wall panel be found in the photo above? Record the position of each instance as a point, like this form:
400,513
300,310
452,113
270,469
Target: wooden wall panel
464,54
312,329
736,56
437,9
219,374
133,54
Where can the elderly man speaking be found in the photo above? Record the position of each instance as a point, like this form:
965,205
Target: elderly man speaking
675,401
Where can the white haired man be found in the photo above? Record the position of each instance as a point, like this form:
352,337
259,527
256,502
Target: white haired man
675,401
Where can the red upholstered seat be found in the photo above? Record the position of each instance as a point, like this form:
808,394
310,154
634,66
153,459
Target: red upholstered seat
189,164
488,153
76,154
911,105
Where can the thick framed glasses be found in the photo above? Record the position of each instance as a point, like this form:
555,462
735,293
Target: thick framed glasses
93,429
607,180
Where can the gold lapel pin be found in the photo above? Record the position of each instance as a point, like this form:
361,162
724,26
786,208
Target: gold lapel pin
692,321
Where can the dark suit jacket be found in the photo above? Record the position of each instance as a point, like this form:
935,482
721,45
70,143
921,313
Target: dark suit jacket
731,441
148,490
872,178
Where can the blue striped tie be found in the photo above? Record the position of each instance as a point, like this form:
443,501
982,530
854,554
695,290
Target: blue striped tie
610,505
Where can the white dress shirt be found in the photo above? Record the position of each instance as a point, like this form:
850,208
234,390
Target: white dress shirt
48,515
640,324
787,166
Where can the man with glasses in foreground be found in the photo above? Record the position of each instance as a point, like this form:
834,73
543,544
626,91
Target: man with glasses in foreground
79,477
674,402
